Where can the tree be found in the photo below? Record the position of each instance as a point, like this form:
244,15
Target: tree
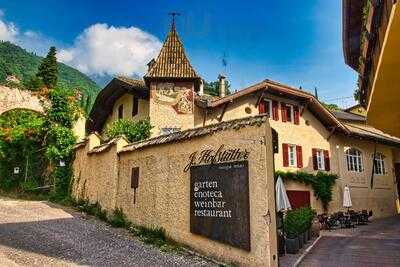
48,69
212,88
331,107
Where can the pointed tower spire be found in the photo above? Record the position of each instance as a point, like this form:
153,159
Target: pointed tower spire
173,15
172,61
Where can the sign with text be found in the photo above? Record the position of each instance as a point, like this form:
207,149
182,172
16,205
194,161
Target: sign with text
219,203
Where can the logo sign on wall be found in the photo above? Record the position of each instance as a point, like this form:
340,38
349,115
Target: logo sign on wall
219,203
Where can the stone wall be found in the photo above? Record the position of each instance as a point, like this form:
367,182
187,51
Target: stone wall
18,99
103,174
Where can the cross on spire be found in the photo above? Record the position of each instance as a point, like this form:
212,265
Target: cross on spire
173,15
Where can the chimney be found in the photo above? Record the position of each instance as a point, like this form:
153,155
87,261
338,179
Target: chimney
221,79
150,64
201,88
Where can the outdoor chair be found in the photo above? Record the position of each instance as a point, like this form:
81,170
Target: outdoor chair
333,221
363,216
345,220
354,217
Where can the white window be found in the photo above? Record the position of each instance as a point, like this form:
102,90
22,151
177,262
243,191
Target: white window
292,155
268,107
289,113
320,159
379,164
354,160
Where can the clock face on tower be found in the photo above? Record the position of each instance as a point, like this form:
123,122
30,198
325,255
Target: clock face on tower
178,96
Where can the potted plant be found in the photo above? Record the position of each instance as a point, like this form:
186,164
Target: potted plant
291,234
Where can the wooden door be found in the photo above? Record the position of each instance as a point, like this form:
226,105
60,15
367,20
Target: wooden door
298,199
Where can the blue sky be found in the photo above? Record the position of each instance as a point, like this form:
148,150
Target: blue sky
294,42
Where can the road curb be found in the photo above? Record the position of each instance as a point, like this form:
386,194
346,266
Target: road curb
300,259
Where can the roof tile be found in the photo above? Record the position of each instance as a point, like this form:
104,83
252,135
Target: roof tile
172,61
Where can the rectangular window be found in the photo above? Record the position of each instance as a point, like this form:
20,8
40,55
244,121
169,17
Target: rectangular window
379,164
292,156
268,107
320,159
135,106
120,111
354,160
289,113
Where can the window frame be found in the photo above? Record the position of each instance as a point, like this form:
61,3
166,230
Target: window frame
289,110
120,111
379,162
294,147
354,162
320,159
268,108
135,106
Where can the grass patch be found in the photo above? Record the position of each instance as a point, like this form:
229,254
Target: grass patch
156,237
118,219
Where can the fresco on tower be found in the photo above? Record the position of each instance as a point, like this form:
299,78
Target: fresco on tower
179,97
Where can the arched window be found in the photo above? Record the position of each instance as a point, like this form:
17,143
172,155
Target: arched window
354,160
379,164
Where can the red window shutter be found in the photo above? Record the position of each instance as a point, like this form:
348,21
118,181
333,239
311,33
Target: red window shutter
285,153
299,154
327,160
261,107
296,115
275,114
314,158
283,111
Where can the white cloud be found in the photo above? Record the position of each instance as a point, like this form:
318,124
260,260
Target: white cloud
8,31
99,50
29,40
103,49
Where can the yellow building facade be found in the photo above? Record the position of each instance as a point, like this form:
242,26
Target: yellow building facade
371,41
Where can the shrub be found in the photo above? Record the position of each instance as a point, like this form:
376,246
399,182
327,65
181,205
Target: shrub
132,130
298,221
29,185
118,219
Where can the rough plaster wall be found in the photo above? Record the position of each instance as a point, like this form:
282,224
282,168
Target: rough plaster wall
95,176
381,199
162,199
164,116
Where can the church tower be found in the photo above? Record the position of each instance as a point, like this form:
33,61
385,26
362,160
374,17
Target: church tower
171,80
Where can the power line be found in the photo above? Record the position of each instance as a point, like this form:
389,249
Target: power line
340,98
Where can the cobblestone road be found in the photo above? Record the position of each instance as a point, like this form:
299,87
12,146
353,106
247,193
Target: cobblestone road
376,244
34,233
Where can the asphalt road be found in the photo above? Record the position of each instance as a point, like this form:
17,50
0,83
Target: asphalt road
375,244
34,233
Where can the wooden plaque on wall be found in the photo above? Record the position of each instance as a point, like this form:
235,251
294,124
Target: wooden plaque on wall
219,203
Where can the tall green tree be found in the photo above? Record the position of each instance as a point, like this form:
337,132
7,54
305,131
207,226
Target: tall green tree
48,69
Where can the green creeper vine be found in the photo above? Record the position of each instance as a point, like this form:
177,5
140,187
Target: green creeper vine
60,140
321,182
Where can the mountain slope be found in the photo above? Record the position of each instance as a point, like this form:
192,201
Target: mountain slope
17,61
